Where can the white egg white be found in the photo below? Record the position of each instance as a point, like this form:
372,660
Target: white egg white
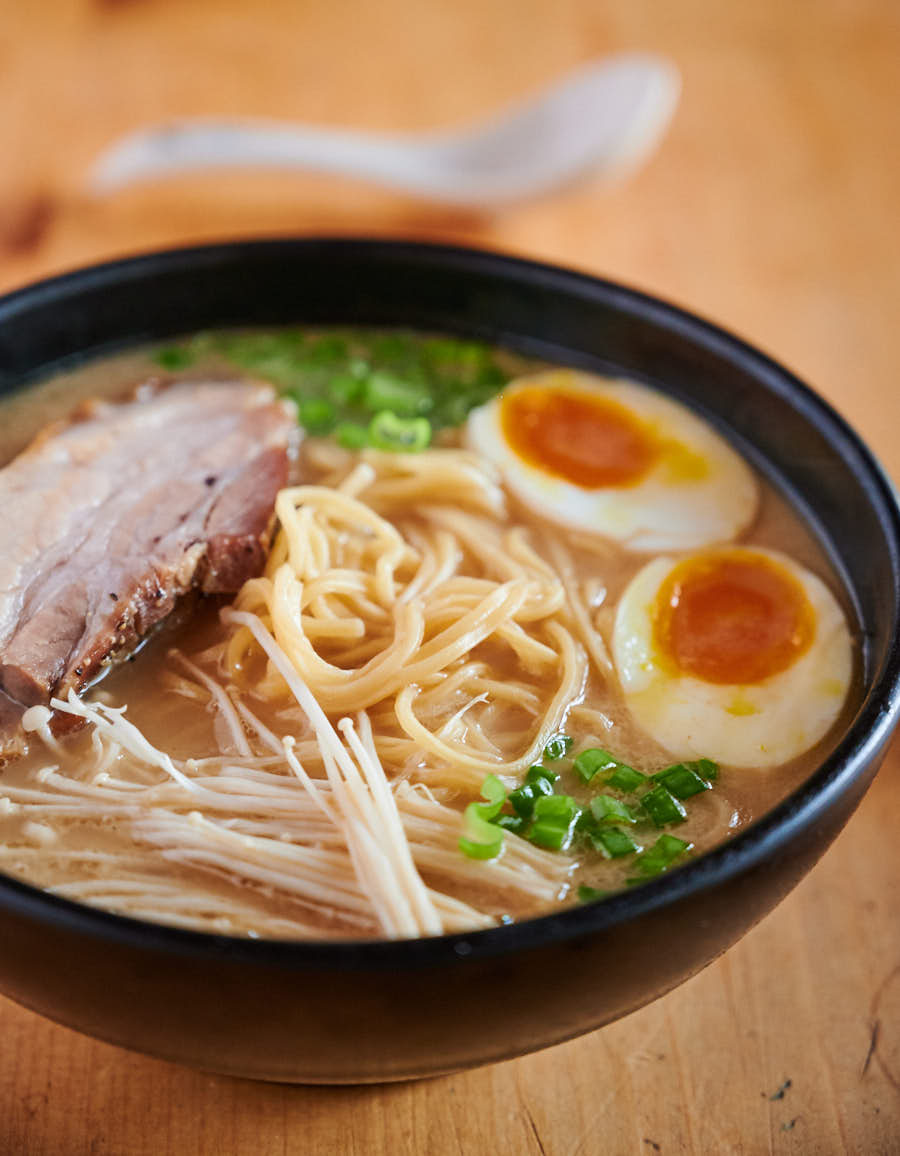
757,725
699,492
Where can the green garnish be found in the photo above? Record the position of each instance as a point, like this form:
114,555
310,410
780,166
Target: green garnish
397,348
330,349
606,809
554,822
351,436
483,839
316,415
346,388
557,746
514,823
592,761
359,374
625,778
662,807
395,434
384,391
523,798
612,842
174,357
589,894
683,780
659,858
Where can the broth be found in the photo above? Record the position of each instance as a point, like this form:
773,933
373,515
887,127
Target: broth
95,855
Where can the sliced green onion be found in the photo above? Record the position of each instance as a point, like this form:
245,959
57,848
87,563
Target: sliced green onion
557,746
345,389
350,435
682,780
659,858
592,761
393,347
316,415
536,772
399,435
514,823
174,357
360,373
523,798
606,809
555,817
403,398
472,357
330,349
255,350
538,782
589,894
613,842
625,778
203,344
662,807
483,839
453,409
440,350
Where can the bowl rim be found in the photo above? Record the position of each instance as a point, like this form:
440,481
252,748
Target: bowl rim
802,809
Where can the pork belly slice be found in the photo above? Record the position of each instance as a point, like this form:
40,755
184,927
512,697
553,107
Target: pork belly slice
112,515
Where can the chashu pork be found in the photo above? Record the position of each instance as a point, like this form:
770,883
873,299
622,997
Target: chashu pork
110,516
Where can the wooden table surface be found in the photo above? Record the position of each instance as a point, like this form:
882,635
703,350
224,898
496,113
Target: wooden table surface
772,206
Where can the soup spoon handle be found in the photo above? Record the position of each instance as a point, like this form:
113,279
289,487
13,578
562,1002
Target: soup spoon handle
604,117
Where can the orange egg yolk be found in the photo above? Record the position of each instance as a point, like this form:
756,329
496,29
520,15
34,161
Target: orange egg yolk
732,617
592,442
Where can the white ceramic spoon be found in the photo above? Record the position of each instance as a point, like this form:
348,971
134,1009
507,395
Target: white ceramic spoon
604,117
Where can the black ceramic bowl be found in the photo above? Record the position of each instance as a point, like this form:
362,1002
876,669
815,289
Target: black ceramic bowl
344,1012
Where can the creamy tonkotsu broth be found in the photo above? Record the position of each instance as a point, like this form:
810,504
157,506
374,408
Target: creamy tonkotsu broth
435,710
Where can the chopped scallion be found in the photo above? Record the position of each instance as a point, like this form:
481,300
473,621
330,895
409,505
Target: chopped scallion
316,415
606,809
589,894
398,434
662,807
483,839
659,858
534,773
359,373
385,391
592,761
682,780
514,823
174,357
523,798
557,746
613,842
625,778
351,436
331,349
554,822
345,389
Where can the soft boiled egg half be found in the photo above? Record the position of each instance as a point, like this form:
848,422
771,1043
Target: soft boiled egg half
615,459
736,654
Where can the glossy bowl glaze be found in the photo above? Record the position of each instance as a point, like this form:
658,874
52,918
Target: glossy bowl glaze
353,1012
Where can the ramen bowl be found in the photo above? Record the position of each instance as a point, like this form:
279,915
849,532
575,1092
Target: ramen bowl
346,1012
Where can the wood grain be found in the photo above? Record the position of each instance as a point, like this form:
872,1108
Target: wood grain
771,207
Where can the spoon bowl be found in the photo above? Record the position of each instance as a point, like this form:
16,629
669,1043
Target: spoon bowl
604,117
